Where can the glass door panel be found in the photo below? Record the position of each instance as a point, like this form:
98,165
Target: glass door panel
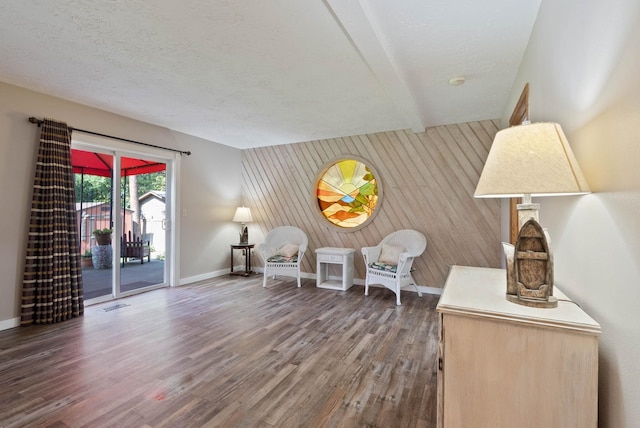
143,212
94,208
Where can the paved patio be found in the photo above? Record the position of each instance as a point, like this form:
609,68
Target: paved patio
133,275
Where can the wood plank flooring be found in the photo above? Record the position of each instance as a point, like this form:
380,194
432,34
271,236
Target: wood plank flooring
228,353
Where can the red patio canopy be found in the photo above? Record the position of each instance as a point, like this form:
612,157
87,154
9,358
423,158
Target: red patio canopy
100,164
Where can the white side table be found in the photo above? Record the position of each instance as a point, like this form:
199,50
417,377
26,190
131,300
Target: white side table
334,256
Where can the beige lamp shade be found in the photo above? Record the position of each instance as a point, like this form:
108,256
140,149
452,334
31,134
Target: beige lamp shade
533,159
242,215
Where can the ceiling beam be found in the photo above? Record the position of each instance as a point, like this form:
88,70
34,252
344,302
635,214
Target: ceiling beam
360,26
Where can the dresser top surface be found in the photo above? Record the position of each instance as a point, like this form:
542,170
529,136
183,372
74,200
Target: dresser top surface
480,292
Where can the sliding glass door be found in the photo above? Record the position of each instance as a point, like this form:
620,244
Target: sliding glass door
123,240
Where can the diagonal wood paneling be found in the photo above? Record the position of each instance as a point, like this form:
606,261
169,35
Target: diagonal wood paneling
428,181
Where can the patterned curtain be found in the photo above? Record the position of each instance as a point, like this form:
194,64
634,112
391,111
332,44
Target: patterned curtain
52,285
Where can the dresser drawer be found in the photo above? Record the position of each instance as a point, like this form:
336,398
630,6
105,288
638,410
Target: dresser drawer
330,258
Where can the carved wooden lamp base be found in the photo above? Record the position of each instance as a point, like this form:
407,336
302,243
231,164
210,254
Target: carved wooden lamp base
530,268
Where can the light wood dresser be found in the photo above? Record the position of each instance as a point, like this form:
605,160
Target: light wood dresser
506,365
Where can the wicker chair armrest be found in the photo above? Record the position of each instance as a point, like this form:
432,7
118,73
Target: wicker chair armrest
301,251
264,251
405,262
371,254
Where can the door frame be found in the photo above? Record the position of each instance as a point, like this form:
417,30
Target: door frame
172,160
520,114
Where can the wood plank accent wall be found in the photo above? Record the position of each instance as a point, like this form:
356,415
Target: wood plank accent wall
428,180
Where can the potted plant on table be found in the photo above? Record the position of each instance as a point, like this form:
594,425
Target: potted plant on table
103,236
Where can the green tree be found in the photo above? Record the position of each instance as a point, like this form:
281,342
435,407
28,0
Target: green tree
153,181
91,188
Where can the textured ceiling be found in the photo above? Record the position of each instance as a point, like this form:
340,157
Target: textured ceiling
250,73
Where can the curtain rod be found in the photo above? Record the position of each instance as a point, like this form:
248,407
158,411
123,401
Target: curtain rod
39,122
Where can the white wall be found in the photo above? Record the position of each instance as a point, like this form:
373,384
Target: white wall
208,190
583,65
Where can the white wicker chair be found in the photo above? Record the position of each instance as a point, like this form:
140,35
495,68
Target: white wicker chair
402,246
281,240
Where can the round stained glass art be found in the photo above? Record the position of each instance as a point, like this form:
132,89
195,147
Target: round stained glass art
347,193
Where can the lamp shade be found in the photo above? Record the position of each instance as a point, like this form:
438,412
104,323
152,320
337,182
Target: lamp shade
533,159
242,215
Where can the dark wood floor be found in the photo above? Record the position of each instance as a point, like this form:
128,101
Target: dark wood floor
228,353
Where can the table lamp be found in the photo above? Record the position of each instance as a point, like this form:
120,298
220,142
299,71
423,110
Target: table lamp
243,215
532,159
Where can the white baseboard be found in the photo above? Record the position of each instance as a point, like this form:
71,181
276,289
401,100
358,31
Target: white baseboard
429,290
203,277
10,323
422,288
359,281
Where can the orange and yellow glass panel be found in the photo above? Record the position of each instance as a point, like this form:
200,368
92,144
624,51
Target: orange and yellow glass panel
347,193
